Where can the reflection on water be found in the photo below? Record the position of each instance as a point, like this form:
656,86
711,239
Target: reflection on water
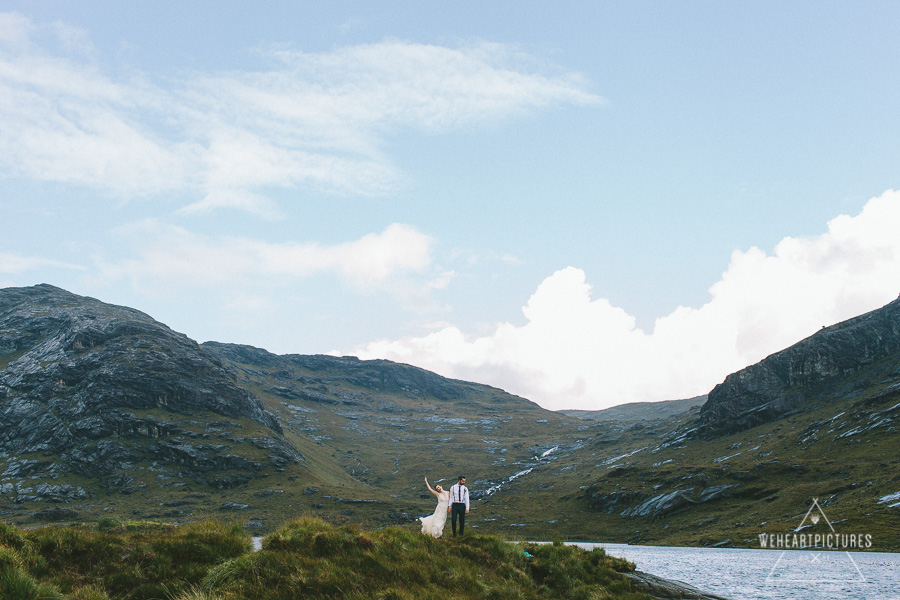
741,574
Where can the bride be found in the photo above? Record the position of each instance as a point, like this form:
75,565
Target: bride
434,524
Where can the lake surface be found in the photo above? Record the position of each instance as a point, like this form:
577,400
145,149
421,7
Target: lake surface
749,574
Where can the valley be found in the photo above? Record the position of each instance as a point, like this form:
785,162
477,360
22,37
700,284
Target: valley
108,413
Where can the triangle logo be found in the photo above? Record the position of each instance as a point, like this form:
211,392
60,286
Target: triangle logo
811,562
813,516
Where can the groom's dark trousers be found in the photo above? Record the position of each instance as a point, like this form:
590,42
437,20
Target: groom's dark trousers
458,511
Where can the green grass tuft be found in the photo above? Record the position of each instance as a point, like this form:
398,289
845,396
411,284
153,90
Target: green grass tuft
306,558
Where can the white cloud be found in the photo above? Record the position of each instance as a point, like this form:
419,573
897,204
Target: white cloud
578,352
314,119
16,263
171,259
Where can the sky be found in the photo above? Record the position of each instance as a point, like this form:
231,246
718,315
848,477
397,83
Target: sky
584,203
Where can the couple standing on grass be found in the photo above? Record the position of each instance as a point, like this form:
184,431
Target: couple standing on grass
456,502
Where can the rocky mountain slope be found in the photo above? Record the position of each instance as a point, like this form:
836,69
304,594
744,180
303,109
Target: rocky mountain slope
104,411
840,361
817,421
95,396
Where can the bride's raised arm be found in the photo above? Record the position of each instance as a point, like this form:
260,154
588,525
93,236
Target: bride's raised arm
429,488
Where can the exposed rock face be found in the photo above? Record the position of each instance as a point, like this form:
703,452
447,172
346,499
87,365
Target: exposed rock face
377,375
97,388
859,353
662,504
632,503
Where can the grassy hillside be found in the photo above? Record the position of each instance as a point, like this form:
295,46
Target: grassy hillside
306,558
371,430
845,453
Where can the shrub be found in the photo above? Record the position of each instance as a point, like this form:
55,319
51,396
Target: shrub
109,524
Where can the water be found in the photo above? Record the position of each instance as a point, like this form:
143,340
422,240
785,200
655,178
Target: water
747,574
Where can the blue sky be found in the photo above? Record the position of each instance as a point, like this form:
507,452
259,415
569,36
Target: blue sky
585,203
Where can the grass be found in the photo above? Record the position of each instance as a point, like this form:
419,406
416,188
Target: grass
307,558
130,561
311,559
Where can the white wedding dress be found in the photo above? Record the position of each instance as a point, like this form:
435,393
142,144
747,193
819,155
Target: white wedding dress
433,525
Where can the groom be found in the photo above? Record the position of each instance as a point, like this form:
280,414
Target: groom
459,504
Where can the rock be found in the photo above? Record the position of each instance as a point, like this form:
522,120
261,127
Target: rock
661,505
667,589
400,517
177,502
23,468
99,389
719,491
255,527
234,506
59,493
839,359
639,504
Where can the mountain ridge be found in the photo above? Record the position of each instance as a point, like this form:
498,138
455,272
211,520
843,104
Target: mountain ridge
106,412
863,348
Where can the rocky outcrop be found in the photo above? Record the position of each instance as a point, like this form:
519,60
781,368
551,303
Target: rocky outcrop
839,360
667,589
634,503
98,389
55,345
662,504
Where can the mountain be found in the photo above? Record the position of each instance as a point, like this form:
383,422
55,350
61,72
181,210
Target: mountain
816,422
840,361
98,396
636,412
107,412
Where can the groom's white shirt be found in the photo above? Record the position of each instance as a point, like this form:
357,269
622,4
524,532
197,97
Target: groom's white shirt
459,493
